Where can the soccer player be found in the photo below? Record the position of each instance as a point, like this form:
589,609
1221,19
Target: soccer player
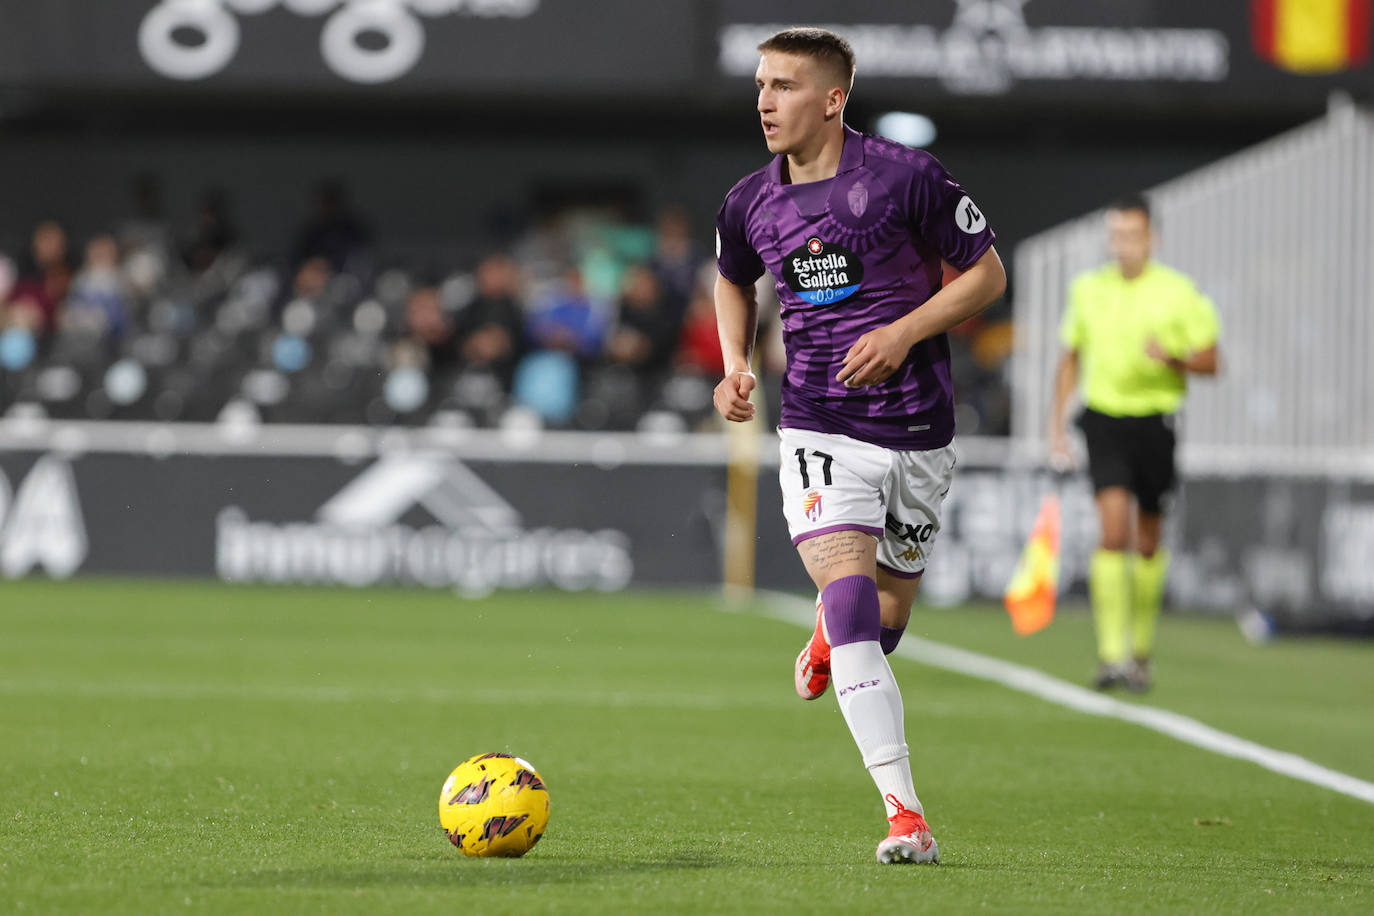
855,230
1133,332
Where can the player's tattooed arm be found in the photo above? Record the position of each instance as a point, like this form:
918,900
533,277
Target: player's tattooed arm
839,553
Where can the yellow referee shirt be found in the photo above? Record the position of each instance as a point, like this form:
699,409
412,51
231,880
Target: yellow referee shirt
1110,319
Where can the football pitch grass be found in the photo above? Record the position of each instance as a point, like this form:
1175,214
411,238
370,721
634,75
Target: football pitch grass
181,747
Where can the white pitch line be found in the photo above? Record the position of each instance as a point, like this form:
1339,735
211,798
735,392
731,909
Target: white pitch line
1037,683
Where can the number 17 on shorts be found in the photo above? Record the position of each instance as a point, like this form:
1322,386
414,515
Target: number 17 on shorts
835,483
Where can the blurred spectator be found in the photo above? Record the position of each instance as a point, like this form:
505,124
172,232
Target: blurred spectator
213,234
428,330
676,259
333,231
98,302
44,282
146,228
145,237
7,278
490,327
547,383
312,279
569,321
544,255
644,337
699,344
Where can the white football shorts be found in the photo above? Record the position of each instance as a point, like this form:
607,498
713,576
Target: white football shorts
835,483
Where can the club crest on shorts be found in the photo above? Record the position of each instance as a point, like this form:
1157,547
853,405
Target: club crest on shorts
811,506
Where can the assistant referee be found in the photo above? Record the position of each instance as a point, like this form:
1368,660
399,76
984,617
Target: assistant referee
1133,331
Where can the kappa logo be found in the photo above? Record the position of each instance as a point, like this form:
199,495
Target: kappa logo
165,43
374,530
811,506
845,691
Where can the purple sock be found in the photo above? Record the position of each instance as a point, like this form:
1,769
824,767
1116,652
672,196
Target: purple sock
851,610
889,637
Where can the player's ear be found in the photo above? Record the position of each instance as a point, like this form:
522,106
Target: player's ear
834,102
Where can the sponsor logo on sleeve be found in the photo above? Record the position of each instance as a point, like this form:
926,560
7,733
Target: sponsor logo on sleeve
969,218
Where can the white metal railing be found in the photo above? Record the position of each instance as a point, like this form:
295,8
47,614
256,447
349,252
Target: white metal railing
1281,236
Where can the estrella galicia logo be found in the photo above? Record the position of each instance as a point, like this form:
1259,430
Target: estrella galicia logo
823,272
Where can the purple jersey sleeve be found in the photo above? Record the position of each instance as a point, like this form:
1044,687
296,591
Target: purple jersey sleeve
736,259
944,215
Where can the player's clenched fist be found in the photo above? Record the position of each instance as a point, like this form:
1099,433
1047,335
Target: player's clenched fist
874,357
732,396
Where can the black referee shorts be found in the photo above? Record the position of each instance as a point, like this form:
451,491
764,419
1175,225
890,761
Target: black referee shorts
1132,452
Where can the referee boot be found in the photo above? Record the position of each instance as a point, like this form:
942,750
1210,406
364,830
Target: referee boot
1138,677
1110,675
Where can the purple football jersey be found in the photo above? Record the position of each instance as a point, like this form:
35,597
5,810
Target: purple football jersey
850,254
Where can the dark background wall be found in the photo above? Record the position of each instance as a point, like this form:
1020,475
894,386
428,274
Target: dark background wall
529,96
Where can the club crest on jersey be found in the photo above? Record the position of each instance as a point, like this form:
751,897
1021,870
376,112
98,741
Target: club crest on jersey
811,506
858,198
822,272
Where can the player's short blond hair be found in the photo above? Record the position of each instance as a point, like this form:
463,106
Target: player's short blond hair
830,50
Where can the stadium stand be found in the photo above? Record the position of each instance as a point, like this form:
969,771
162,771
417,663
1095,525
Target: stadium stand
586,320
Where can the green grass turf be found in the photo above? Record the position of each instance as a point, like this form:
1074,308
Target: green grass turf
1309,695
194,747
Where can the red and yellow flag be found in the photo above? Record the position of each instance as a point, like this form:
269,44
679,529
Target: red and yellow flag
1034,586
1312,36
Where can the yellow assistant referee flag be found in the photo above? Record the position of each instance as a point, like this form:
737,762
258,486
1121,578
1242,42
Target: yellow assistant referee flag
1034,586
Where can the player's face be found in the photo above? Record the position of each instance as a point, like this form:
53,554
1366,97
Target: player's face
1130,239
794,101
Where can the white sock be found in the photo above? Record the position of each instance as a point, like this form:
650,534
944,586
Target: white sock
872,706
